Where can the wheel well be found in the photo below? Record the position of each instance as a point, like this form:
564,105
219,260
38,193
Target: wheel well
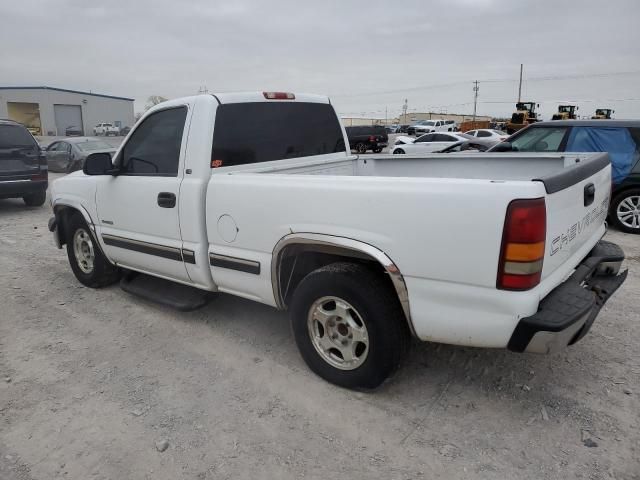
295,261
63,213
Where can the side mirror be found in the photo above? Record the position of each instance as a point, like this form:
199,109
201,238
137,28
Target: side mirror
99,164
502,147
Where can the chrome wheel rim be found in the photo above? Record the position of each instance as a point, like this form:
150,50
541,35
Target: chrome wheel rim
83,250
628,211
338,333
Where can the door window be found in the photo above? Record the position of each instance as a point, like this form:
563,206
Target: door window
154,147
425,138
471,132
483,133
441,137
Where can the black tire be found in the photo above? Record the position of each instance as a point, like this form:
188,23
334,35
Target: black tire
361,147
374,302
35,199
398,151
633,196
377,150
102,273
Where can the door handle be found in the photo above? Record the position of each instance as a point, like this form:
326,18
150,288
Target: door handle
589,194
166,199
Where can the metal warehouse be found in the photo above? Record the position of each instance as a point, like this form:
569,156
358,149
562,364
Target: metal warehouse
51,111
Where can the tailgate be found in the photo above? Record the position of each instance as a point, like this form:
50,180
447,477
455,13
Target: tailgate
577,203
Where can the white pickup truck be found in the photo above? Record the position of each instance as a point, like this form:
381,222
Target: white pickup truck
484,250
106,129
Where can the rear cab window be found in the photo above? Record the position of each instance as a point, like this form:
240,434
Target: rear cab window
256,132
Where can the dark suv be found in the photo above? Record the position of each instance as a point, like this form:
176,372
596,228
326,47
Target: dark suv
366,138
23,166
619,138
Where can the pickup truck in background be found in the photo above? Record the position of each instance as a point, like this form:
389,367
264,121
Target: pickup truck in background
106,129
486,250
363,138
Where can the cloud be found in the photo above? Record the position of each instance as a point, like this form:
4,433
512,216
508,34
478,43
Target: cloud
389,51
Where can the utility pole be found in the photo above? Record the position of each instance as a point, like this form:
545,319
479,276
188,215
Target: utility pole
475,100
520,86
386,122
404,110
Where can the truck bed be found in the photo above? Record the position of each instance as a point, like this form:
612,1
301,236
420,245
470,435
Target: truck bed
479,166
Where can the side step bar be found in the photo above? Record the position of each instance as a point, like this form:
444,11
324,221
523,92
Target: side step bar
171,294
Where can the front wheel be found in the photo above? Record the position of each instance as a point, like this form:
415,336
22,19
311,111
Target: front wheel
35,199
87,261
348,325
625,211
398,151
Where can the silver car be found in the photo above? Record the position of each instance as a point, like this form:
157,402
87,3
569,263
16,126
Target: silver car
68,155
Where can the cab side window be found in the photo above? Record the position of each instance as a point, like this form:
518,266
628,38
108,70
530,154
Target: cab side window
154,147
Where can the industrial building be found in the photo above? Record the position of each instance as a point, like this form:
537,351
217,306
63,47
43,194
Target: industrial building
51,111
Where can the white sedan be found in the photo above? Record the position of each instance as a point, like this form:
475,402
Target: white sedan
428,143
488,134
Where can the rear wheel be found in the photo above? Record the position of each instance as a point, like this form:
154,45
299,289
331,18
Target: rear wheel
35,199
361,147
87,261
398,151
625,211
349,326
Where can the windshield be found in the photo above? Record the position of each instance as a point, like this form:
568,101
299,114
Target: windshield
15,136
499,132
93,145
539,140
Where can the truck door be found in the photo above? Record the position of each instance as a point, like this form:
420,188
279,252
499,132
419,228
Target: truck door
138,219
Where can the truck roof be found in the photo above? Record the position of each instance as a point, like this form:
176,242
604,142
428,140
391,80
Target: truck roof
588,123
244,97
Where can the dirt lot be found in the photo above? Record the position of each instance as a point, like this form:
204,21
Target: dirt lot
93,381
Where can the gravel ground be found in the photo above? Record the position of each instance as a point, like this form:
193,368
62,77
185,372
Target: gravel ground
97,384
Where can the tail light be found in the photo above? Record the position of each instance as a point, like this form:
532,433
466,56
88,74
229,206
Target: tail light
523,245
279,96
372,138
37,177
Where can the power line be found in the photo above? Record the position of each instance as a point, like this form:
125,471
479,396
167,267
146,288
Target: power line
490,80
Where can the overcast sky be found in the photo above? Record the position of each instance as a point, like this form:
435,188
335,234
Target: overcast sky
366,55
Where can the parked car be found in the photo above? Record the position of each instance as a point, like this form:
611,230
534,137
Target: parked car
73,131
124,131
496,135
69,155
363,138
392,128
23,166
294,221
106,129
402,128
428,143
620,138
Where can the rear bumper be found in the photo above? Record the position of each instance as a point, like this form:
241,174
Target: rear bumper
18,188
567,313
